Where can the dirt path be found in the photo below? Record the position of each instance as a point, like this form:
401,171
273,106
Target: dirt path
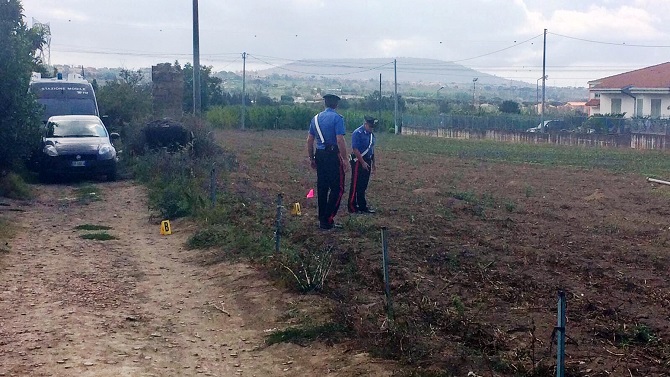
138,305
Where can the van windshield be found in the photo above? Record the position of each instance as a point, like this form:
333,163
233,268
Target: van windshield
65,98
72,106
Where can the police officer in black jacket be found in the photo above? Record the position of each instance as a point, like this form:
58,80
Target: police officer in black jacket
329,159
362,165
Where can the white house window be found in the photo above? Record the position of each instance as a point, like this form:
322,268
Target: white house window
639,107
616,106
655,107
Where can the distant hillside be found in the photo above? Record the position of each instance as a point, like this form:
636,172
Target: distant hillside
420,78
410,70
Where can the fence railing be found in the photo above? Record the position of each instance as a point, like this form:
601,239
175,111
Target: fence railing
506,122
627,140
514,122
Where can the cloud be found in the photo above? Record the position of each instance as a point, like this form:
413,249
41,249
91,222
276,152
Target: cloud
397,47
598,23
499,36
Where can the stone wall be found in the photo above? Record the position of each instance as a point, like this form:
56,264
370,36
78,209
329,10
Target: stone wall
168,91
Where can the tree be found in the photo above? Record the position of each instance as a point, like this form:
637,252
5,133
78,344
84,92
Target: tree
510,107
287,99
125,100
211,93
19,112
371,102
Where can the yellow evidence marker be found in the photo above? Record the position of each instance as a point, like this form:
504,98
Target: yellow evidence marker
296,209
165,227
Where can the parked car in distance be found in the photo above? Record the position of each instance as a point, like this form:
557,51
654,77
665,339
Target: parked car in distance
553,125
77,145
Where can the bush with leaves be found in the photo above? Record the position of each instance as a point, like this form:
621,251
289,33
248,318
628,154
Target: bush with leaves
19,112
125,102
606,123
510,107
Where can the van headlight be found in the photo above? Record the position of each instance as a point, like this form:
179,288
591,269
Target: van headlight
50,150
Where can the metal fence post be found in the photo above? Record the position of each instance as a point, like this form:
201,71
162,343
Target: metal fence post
212,186
387,283
560,339
278,222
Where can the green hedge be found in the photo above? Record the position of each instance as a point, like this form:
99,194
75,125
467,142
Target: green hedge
284,117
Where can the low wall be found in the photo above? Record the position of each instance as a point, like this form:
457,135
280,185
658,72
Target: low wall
636,141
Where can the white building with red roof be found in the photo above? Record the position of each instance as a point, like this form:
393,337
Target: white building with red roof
641,93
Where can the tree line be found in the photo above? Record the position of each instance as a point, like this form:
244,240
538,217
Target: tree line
19,112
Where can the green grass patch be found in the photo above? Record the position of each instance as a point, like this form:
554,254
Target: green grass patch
305,334
637,334
211,236
87,193
648,163
236,241
92,227
14,187
510,206
528,191
99,236
359,223
176,183
466,196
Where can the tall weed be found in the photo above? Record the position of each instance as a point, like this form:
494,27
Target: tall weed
14,187
174,182
309,267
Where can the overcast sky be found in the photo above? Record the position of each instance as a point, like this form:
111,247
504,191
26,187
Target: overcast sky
586,40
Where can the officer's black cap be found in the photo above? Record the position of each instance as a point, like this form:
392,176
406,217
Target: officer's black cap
331,97
371,120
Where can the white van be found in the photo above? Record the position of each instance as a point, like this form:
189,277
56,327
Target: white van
72,95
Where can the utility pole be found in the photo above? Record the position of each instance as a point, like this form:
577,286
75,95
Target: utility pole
544,75
395,111
380,98
474,90
244,87
196,61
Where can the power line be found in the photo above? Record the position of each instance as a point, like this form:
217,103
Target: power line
338,63
620,44
497,51
434,68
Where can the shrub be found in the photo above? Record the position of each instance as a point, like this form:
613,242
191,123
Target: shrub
174,186
309,268
227,117
304,335
19,112
202,146
211,236
14,187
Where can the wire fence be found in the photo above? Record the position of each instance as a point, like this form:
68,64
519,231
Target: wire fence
520,123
